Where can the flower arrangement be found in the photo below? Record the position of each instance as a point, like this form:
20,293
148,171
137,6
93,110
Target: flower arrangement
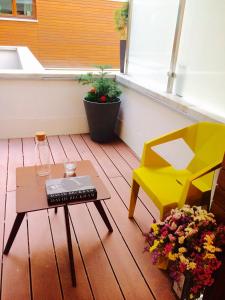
191,240
103,89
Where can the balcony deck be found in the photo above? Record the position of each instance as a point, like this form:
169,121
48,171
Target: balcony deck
108,266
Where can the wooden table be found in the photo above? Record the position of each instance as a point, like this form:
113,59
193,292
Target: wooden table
31,196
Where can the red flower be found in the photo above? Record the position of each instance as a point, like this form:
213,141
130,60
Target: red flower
182,267
168,247
103,99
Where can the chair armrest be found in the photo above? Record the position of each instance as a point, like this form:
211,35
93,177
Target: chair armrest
206,170
150,157
194,176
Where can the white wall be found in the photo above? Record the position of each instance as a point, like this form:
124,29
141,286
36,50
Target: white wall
27,105
9,59
142,118
56,106
18,58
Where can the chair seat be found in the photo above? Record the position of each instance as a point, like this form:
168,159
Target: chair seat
163,185
204,184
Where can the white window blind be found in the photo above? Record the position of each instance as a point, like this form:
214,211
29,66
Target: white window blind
201,62
152,33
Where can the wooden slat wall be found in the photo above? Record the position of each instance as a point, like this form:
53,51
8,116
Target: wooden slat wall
71,33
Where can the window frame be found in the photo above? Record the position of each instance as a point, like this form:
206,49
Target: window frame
14,13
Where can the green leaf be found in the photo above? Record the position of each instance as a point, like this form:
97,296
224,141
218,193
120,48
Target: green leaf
104,86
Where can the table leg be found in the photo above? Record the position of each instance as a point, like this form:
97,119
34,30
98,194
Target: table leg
69,244
102,213
14,230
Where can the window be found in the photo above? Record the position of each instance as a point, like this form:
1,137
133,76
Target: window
182,39
152,33
200,72
17,8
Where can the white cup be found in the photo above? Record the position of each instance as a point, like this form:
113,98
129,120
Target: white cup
70,168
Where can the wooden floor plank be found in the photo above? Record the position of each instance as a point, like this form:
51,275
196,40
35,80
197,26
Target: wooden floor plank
157,280
116,244
56,149
107,165
123,167
130,157
29,151
69,148
17,259
44,273
84,152
15,275
142,216
130,278
126,171
2,216
107,265
127,154
3,165
83,290
134,238
89,239
15,161
103,281
3,183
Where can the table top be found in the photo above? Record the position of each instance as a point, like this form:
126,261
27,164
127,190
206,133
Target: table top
30,188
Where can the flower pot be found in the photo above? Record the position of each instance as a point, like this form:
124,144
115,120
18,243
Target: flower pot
102,118
163,263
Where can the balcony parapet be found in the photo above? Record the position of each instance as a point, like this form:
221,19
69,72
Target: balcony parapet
178,104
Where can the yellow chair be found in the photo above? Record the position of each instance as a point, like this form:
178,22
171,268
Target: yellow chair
168,187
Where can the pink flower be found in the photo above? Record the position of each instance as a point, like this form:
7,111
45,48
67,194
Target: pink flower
164,233
171,238
193,229
168,247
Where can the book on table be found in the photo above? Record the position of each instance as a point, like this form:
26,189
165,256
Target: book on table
71,189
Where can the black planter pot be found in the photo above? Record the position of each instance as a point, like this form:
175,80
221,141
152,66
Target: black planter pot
122,54
101,120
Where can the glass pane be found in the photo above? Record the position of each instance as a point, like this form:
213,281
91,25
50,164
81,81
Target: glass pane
5,6
152,33
201,62
24,7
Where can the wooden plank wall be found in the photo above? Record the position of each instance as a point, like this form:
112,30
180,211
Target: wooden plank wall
72,33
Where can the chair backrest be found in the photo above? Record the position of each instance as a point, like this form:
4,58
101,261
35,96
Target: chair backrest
207,141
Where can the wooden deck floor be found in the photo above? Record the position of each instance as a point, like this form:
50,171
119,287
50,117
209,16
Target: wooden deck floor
108,266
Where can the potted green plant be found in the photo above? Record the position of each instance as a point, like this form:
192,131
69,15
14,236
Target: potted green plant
121,20
102,104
